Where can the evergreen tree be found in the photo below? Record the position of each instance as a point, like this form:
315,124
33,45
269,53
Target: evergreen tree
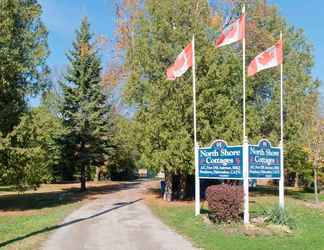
164,109
23,53
31,153
85,112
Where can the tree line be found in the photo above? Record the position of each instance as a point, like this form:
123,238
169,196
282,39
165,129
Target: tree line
73,132
154,32
79,131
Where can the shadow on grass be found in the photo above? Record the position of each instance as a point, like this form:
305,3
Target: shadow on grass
28,201
48,229
7,189
264,190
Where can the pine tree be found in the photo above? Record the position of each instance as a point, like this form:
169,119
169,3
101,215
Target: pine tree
85,112
23,53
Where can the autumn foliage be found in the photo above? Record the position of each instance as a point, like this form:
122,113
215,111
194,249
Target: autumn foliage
224,202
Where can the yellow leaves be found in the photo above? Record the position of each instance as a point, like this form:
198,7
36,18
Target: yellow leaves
113,75
307,149
215,21
84,49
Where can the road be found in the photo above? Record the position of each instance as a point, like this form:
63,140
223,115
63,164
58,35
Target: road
118,221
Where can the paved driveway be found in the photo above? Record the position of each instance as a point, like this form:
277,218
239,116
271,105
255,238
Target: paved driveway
117,221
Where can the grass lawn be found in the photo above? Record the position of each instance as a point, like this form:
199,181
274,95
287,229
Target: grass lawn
27,219
308,235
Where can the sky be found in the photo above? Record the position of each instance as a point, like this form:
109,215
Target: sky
63,17
308,15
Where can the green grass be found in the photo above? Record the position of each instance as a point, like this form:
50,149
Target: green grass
305,195
308,235
29,231
27,219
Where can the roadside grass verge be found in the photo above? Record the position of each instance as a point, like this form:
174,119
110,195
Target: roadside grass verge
26,219
309,233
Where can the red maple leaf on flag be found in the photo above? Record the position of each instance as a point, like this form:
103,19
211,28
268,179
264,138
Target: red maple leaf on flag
266,57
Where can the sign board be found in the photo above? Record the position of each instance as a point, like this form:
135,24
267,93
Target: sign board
220,161
264,161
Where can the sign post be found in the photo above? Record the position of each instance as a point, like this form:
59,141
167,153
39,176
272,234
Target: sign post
197,183
246,214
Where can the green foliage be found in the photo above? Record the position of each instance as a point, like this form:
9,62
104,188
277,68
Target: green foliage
123,163
281,217
49,132
30,154
85,112
297,159
163,121
23,51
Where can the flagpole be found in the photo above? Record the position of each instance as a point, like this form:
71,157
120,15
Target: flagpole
245,139
197,181
282,178
244,80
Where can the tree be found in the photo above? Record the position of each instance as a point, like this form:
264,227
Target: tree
163,119
85,112
124,162
314,137
317,147
23,53
31,153
49,131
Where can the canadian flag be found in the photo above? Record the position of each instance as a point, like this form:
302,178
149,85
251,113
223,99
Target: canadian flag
272,57
234,32
182,63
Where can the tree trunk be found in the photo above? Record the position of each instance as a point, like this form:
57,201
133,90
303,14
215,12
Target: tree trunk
83,178
315,185
98,171
168,186
183,187
296,181
82,171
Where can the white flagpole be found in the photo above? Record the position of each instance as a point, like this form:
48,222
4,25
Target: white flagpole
245,141
244,81
282,177
197,181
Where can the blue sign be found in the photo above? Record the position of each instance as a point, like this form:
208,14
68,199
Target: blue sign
221,161
264,161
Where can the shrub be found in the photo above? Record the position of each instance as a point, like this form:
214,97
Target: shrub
280,216
224,202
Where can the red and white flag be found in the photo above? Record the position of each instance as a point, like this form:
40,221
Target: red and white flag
234,32
272,57
182,63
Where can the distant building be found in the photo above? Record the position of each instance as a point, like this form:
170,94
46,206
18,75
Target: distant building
143,173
